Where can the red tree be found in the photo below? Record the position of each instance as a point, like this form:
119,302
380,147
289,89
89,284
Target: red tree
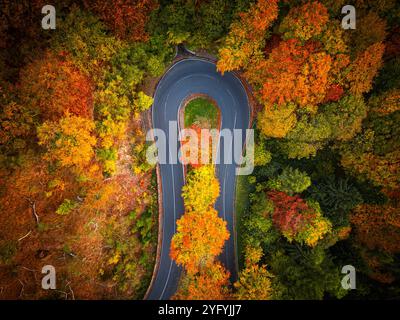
291,213
53,86
297,219
334,93
127,18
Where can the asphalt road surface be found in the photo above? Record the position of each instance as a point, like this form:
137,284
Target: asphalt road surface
187,77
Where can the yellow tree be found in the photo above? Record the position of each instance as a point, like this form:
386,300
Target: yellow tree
305,22
276,121
69,142
201,189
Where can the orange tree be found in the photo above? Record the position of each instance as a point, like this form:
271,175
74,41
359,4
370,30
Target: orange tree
246,36
53,86
199,239
210,283
364,69
377,227
292,73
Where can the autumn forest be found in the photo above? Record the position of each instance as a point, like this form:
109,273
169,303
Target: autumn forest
76,190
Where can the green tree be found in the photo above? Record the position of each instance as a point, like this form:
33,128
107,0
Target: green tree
309,135
305,274
336,198
345,117
290,181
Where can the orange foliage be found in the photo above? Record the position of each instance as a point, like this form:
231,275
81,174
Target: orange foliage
246,35
54,87
386,103
378,227
195,151
364,69
69,142
292,73
211,283
126,18
199,239
305,22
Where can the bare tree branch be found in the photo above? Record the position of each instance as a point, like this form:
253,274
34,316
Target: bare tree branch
25,235
33,205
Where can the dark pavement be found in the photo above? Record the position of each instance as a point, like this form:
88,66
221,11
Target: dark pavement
192,76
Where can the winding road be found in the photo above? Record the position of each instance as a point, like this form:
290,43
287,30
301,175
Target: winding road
184,78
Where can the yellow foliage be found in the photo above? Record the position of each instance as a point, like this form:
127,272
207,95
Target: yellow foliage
69,142
317,230
276,121
201,190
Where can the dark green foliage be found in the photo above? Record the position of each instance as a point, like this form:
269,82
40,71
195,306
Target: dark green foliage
389,76
290,181
336,198
386,132
8,249
200,25
305,274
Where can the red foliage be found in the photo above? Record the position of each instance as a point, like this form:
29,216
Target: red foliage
194,149
127,18
54,86
334,93
291,214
